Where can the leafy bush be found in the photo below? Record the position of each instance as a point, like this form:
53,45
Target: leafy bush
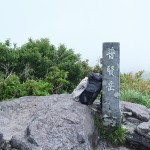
57,78
34,60
36,88
10,87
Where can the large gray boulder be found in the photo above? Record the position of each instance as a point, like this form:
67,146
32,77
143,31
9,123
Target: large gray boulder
46,123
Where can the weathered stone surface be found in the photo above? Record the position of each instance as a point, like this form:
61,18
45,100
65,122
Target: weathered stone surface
103,145
137,138
111,114
138,111
138,131
46,123
144,129
131,124
58,122
137,142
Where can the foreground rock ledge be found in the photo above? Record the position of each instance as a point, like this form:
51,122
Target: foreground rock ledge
58,123
46,123
137,121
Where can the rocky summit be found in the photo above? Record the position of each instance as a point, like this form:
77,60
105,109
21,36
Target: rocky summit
46,123
58,123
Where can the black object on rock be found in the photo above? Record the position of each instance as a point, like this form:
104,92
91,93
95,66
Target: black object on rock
92,90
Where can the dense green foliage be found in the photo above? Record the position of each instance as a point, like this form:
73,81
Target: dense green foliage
39,68
135,89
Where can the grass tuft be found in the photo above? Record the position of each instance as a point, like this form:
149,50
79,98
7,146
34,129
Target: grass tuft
135,89
116,137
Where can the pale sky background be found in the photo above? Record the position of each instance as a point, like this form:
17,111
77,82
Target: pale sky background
82,25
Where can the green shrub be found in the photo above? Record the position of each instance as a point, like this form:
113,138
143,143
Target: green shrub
1,77
36,88
9,88
58,78
12,88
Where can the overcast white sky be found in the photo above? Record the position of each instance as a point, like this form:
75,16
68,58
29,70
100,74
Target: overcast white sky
82,25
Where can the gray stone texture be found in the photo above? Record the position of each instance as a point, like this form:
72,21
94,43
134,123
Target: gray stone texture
137,124
144,129
103,145
111,85
58,122
138,111
46,123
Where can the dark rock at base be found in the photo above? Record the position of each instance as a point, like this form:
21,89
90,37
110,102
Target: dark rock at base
137,142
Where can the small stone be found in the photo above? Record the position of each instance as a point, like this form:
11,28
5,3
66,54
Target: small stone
127,113
144,129
80,139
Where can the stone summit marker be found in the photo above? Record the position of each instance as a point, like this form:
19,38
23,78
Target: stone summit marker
111,114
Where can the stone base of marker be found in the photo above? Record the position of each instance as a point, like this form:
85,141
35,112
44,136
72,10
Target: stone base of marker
111,114
110,124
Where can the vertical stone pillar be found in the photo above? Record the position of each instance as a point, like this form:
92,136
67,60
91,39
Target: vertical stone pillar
111,114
